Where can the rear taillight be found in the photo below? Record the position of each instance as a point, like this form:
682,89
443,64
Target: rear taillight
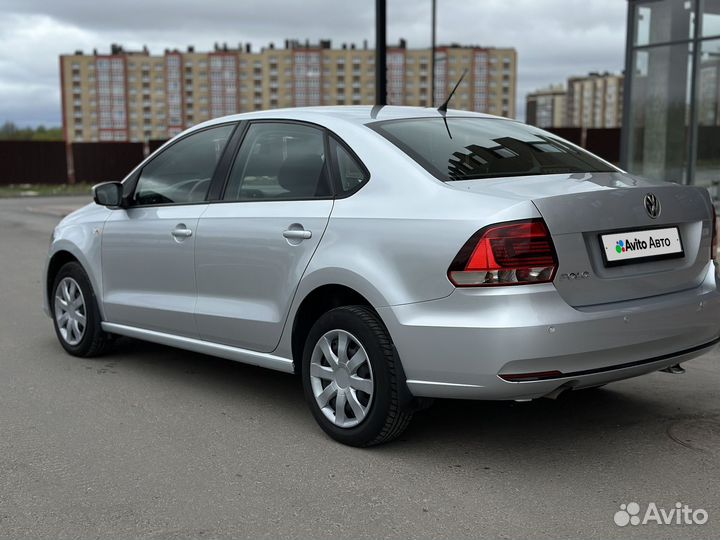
714,244
513,253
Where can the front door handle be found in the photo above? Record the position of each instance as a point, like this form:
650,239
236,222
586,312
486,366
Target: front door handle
297,234
181,232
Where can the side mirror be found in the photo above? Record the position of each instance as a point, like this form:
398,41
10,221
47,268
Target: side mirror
108,194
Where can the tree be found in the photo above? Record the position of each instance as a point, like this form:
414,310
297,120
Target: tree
10,131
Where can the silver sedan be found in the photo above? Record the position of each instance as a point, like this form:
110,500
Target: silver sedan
389,256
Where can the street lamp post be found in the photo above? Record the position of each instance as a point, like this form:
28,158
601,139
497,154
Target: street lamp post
380,53
432,54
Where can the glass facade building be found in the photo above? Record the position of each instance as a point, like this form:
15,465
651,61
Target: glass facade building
671,119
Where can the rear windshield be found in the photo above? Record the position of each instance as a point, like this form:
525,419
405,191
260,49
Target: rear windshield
468,148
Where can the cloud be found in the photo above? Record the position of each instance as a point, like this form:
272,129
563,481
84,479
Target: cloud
29,67
555,39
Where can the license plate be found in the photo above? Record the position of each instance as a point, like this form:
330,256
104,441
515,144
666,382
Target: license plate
641,246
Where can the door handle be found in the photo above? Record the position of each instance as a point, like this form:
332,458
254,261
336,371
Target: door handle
181,231
297,234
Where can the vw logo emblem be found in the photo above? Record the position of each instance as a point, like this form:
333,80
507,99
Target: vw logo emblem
652,205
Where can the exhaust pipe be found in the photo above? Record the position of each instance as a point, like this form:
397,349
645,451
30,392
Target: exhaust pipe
561,390
677,369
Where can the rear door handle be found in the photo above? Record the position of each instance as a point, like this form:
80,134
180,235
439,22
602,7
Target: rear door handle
297,234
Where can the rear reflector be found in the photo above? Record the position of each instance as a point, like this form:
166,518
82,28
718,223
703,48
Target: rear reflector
514,253
537,376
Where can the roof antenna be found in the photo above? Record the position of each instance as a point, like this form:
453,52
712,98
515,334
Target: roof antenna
442,109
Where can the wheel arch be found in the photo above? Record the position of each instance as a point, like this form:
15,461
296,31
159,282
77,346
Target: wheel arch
318,301
59,259
64,252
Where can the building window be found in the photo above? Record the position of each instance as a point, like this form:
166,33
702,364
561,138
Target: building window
673,72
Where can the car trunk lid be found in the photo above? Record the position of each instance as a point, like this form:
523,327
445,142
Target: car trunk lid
579,209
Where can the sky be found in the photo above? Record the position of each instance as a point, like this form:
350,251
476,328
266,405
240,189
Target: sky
555,39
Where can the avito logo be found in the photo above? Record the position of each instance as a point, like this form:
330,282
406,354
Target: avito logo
681,514
632,245
635,244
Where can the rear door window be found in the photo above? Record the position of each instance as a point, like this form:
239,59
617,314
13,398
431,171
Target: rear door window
351,174
278,161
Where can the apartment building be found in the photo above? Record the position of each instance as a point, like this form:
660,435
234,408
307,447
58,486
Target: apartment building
594,101
137,96
546,108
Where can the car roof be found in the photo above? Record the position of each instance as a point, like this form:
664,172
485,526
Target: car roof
355,114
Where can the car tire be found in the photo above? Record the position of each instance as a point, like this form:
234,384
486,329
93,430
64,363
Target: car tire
369,414
75,313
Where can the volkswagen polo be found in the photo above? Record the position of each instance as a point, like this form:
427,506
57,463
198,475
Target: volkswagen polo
391,255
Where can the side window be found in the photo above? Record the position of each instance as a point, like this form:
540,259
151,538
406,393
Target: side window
351,173
279,161
182,173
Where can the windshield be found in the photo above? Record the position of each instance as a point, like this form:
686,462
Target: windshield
468,148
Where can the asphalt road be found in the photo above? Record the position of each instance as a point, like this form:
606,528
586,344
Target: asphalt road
154,442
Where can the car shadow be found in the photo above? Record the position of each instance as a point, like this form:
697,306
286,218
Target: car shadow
226,374
599,420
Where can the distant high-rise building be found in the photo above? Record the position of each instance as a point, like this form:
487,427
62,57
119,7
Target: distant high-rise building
136,96
546,108
594,101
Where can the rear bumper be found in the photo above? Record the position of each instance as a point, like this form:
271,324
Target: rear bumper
459,346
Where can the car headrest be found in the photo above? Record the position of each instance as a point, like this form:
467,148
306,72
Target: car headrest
300,174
